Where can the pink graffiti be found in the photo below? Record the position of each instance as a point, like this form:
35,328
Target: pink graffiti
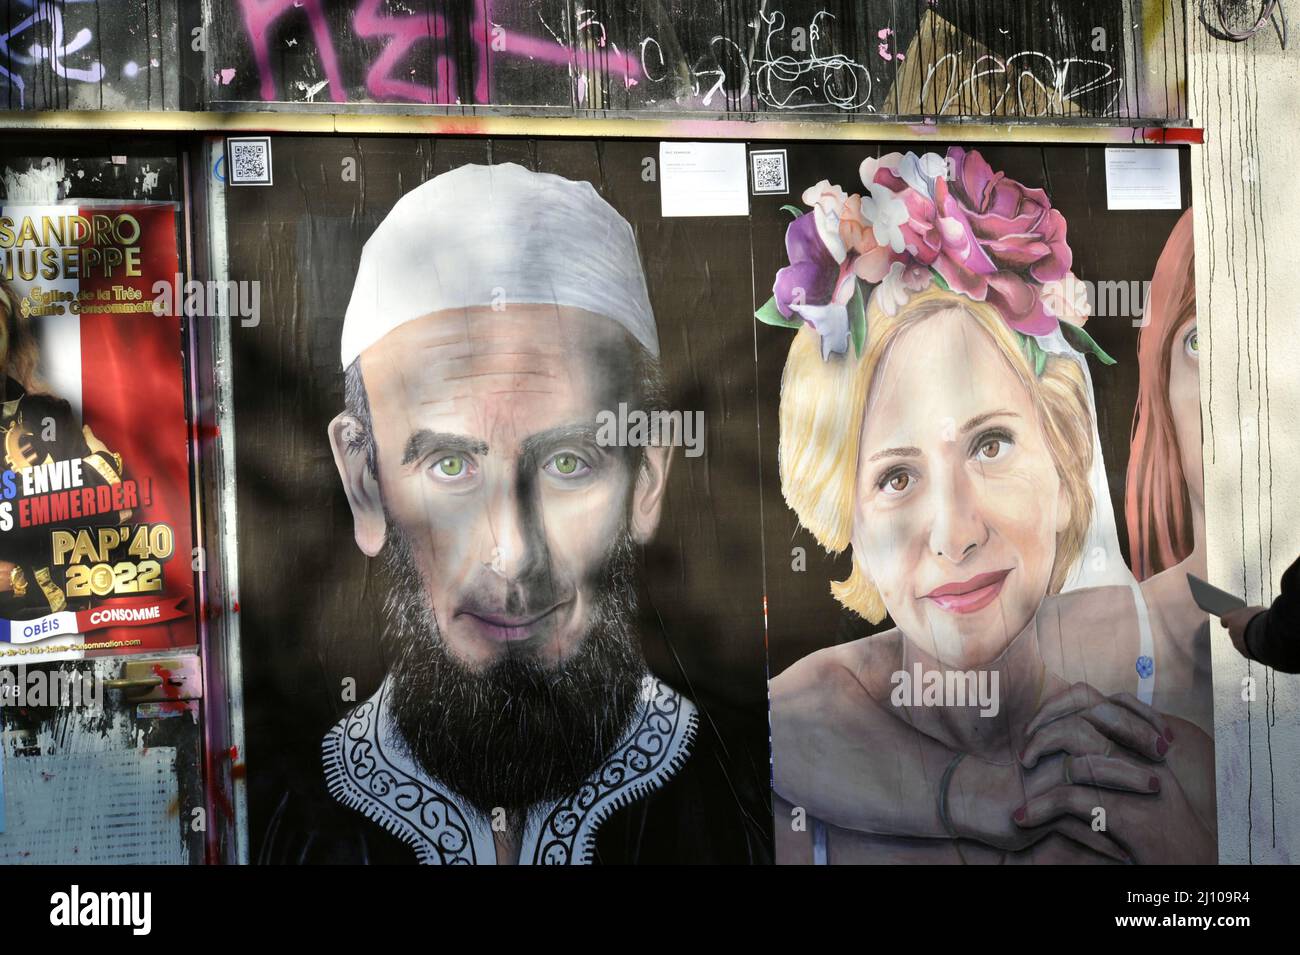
883,48
549,51
260,15
404,33
484,39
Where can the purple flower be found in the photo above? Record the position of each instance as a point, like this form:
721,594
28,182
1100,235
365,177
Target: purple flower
812,274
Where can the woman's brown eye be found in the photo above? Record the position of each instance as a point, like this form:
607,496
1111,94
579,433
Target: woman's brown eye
899,482
991,449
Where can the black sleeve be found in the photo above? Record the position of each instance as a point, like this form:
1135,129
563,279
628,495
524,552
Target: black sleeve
1273,637
309,828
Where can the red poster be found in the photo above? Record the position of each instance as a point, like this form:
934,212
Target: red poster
95,522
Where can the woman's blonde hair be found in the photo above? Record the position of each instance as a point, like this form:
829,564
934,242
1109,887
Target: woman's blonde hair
19,351
823,404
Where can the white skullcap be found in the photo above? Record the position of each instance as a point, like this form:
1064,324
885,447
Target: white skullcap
483,235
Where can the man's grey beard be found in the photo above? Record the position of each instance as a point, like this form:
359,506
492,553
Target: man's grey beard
516,733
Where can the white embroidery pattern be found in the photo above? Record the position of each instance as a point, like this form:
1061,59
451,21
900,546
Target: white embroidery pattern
364,773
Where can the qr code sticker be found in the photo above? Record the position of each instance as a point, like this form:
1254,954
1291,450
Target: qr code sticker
769,172
249,161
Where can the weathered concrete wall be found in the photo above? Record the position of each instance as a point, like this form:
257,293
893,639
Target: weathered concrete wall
1247,97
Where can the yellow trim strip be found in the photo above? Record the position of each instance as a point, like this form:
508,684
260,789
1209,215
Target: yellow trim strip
372,123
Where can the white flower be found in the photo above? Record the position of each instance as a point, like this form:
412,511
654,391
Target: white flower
898,285
870,166
920,172
827,201
886,212
831,322
891,295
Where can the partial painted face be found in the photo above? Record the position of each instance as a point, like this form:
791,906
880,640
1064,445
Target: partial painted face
1185,403
485,429
958,497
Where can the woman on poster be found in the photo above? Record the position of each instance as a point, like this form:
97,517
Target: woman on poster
937,418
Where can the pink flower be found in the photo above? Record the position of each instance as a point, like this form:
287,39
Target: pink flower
1001,241
909,180
871,259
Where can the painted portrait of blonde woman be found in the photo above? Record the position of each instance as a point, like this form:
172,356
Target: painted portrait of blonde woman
937,422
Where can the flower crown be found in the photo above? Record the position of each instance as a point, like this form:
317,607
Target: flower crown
950,220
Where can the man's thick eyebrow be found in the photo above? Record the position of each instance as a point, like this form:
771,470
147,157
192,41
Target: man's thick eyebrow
979,419
424,441
896,453
553,436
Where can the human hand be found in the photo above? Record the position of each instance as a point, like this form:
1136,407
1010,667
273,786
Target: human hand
983,795
1117,777
1236,623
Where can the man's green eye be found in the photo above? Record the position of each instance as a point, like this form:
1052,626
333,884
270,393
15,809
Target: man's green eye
566,464
453,465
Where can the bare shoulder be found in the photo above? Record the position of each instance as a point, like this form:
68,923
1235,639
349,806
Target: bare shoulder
1091,636
1090,604
822,709
845,671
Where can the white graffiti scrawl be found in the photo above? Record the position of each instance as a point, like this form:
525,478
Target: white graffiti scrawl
14,49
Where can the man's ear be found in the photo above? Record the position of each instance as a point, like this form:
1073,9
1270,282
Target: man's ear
648,495
361,487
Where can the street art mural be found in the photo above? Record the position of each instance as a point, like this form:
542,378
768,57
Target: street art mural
1019,696
539,634
535,605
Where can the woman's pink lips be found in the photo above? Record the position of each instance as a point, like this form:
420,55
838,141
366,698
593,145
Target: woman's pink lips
967,596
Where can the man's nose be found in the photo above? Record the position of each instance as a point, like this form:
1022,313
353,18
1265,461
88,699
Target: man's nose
957,527
515,541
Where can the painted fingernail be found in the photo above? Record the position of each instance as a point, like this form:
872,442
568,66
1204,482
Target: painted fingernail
1161,746
1019,815
1154,784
